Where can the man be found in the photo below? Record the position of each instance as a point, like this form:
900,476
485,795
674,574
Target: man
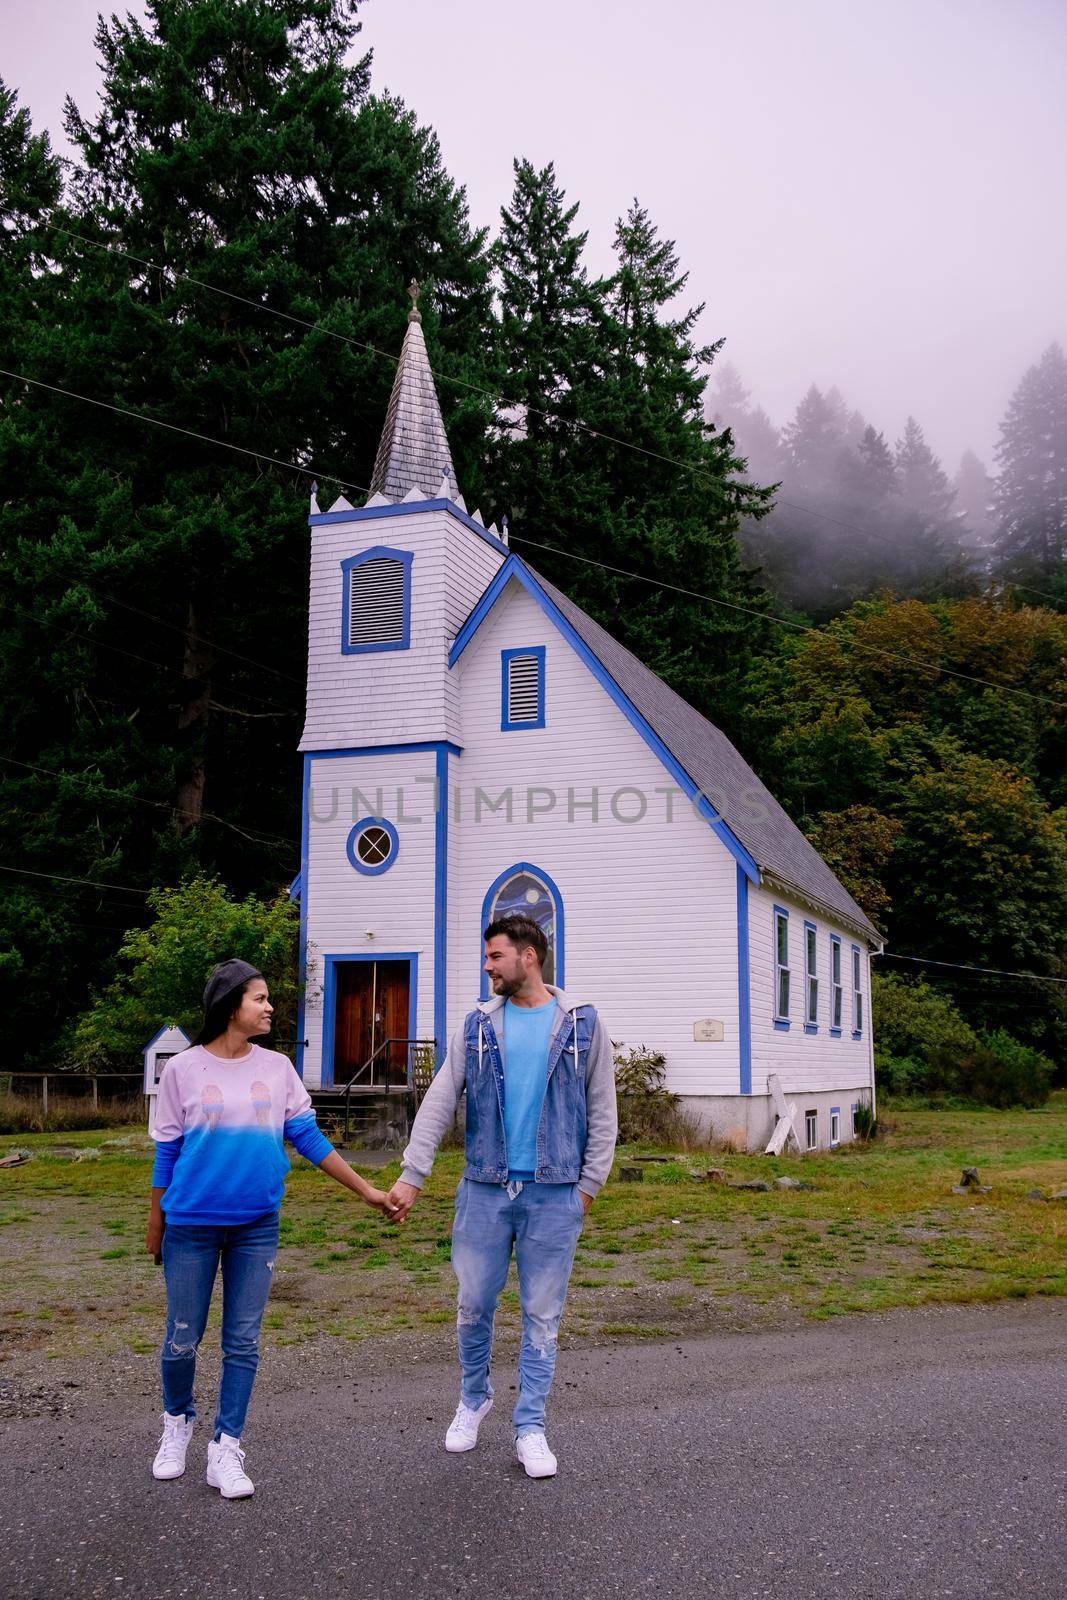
541,1124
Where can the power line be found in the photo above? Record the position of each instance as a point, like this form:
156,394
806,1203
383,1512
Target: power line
922,666
92,883
785,622
464,383
255,836
992,972
147,661
190,433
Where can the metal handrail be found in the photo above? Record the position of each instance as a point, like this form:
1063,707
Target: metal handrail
368,1065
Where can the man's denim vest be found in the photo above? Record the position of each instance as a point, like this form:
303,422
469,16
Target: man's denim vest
562,1130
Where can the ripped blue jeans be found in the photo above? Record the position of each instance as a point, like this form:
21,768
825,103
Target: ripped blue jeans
541,1222
191,1257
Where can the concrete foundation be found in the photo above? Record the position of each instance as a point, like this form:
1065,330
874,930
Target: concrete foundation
746,1122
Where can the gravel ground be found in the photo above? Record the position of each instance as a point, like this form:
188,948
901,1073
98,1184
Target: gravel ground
901,1456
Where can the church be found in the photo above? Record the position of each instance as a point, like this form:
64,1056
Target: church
476,744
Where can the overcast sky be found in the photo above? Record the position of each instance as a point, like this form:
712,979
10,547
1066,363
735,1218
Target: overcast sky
864,194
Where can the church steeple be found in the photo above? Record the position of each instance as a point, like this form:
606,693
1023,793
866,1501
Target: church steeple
413,459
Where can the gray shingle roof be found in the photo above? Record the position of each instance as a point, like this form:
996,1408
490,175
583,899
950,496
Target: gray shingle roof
413,452
753,815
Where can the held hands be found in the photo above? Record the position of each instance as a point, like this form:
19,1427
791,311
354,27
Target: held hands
380,1201
403,1196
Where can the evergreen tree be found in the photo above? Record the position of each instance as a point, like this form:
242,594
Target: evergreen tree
234,145
1031,489
668,509
552,321
974,490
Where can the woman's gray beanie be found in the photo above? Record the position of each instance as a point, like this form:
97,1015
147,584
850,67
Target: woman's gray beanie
227,976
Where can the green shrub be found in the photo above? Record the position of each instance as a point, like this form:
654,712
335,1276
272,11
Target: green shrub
648,1112
998,1071
924,1047
162,969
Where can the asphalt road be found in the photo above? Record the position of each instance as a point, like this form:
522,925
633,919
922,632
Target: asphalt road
901,1457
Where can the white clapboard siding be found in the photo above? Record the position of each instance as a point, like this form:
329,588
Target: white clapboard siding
349,912
650,906
391,696
802,1060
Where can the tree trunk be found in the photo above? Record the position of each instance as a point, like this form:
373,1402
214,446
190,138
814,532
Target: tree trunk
193,715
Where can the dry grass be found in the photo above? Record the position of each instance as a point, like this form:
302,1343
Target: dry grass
671,1255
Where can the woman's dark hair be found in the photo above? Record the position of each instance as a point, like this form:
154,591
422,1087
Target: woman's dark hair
217,1017
521,931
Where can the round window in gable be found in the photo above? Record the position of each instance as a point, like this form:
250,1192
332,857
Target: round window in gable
373,845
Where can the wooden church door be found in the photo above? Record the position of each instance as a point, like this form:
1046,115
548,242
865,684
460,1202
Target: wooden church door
372,1007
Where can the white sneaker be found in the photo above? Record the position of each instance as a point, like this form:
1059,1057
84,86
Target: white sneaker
170,1457
535,1455
226,1470
463,1429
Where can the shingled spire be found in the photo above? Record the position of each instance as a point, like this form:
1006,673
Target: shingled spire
413,453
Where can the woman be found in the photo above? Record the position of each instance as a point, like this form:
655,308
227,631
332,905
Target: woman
225,1106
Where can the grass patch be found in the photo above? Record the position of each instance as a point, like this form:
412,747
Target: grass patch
666,1257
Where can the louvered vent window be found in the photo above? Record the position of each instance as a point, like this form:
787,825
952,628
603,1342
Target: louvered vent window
523,689
376,602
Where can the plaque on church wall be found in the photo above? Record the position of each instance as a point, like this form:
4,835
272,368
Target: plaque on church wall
707,1031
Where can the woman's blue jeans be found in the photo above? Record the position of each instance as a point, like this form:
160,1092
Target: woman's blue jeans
191,1256
541,1222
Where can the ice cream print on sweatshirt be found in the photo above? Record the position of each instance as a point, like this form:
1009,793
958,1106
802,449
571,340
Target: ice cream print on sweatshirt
220,1129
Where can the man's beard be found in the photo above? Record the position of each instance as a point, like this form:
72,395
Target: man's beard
507,986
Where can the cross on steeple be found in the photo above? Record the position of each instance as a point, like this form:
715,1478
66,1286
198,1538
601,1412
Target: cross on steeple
414,315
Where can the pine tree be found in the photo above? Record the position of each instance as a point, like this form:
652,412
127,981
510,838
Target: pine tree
551,329
644,483
1031,489
974,490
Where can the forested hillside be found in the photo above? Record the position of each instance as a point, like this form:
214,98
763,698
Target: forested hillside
199,318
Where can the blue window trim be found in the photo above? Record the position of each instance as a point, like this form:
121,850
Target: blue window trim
443,750
781,1019
506,656
835,1111
377,550
394,842
407,508
744,987
329,997
835,1032
857,1033
514,568
811,972
557,901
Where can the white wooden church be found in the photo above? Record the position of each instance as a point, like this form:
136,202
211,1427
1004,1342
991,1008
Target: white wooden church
475,743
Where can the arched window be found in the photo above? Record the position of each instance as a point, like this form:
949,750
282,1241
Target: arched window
524,890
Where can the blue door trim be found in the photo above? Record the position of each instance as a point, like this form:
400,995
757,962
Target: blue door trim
329,997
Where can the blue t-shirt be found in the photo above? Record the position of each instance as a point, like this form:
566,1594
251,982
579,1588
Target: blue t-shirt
527,1030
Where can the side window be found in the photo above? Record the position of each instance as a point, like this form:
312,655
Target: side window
857,990
836,992
811,976
522,688
376,601
811,1130
781,965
